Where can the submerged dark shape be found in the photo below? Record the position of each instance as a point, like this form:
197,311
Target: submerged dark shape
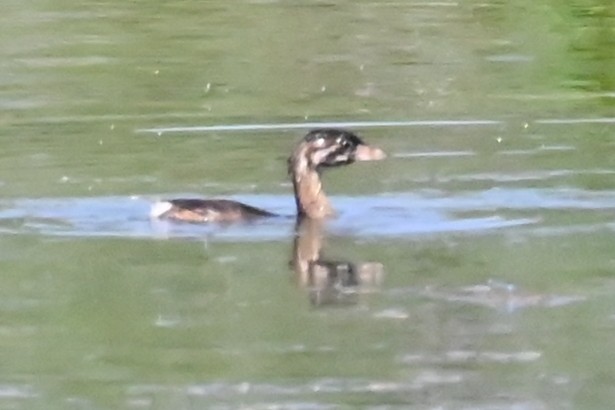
319,149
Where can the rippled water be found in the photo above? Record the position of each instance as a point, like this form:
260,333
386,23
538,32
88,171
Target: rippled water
387,215
473,269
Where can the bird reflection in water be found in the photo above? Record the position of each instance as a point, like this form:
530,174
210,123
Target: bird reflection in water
329,281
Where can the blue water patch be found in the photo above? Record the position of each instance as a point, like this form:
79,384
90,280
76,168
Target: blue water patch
387,215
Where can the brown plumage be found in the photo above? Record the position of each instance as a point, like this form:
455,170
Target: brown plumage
319,149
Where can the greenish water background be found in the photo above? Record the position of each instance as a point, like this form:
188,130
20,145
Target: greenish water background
495,239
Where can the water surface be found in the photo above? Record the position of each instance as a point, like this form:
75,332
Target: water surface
471,269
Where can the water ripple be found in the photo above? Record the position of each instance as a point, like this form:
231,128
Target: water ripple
392,214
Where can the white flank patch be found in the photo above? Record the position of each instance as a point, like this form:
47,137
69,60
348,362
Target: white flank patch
160,208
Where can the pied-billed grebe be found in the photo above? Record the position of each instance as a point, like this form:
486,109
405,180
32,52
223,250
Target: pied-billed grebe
318,149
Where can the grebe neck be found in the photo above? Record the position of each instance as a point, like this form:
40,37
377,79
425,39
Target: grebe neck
309,195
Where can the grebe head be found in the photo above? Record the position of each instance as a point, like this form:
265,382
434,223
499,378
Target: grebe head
318,149
330,148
